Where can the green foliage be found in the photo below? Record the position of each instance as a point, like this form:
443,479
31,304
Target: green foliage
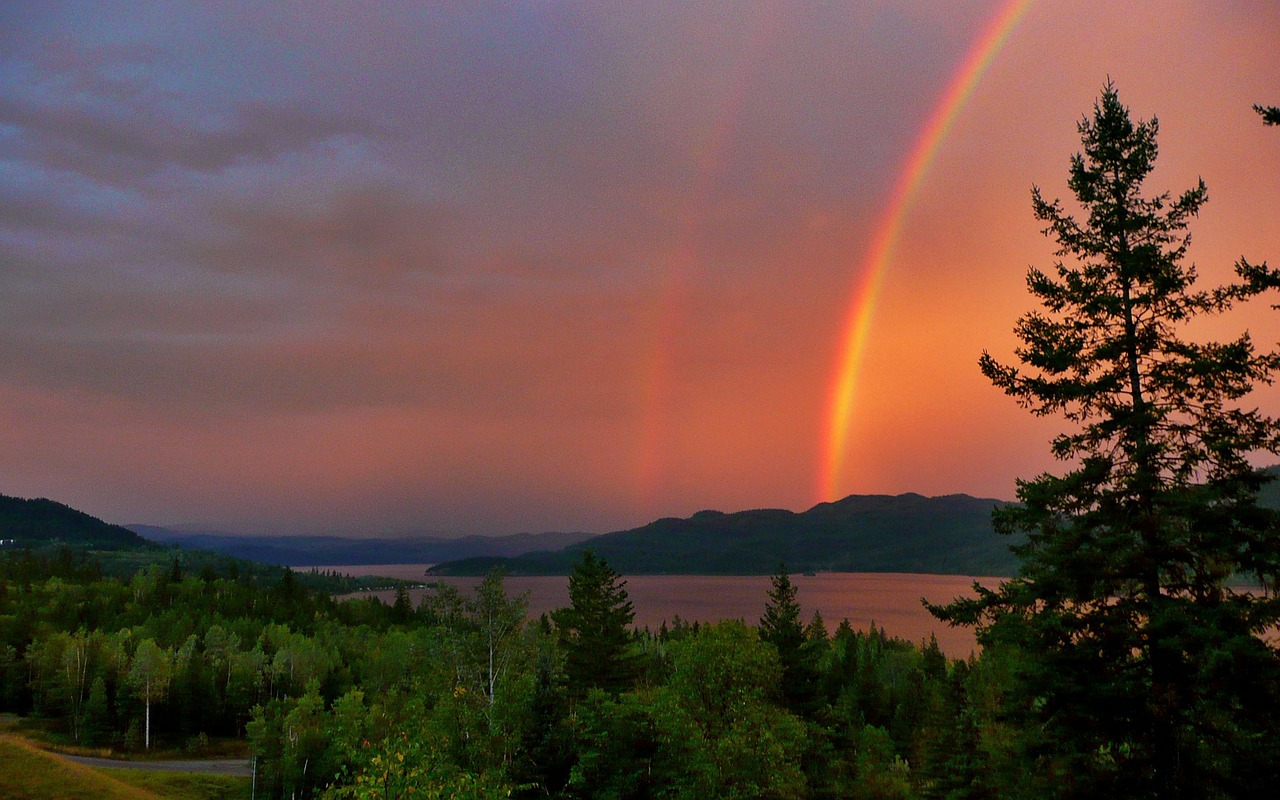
620,752
594,629
725,684
714,730
780,624
404,766
402,607
284,736
1147,671
466,696
149,673
799,648
97,714
881,773
500,620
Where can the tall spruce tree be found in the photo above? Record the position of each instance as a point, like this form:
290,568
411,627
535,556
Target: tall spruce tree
1149,671
780,624
781,627
595,629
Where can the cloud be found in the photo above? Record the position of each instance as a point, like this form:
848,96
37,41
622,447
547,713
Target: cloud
104,111
480,260
121,144
359,235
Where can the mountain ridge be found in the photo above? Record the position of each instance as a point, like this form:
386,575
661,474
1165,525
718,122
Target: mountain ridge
41,521
312,551
909,532
950,534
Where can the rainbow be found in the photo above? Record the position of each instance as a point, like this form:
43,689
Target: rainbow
887,234
681,260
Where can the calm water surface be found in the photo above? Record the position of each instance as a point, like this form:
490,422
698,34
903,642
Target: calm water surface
889,600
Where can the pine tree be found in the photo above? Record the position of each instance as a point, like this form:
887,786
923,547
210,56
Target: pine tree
1270,114
781,627
595,629
780,624
1148,670
402,606
97,713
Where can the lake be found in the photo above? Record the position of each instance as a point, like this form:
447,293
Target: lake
889,600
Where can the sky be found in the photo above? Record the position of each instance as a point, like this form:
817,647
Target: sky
385,268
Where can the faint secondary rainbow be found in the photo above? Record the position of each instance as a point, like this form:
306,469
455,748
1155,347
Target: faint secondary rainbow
682,260
887,234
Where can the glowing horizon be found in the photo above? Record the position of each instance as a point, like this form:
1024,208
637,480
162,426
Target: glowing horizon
887,233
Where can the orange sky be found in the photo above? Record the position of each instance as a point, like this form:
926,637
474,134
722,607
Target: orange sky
555,265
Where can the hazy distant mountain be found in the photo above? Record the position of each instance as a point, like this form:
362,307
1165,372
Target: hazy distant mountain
861,533
41,522
307,551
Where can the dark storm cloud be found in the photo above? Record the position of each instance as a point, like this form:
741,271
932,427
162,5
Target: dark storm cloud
109,111
20,211
120,143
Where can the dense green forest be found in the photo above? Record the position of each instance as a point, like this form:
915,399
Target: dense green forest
37,533
463,696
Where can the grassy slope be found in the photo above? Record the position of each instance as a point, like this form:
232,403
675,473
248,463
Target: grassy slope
183,785
28,772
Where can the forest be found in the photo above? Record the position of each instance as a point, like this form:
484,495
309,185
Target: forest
463,696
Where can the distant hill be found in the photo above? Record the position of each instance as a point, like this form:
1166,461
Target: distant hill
861,533
1269,495
41,522
309,551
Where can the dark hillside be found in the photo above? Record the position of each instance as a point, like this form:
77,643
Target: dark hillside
861,533
41,522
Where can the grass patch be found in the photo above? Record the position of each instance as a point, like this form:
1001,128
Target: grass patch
183,785
29,773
